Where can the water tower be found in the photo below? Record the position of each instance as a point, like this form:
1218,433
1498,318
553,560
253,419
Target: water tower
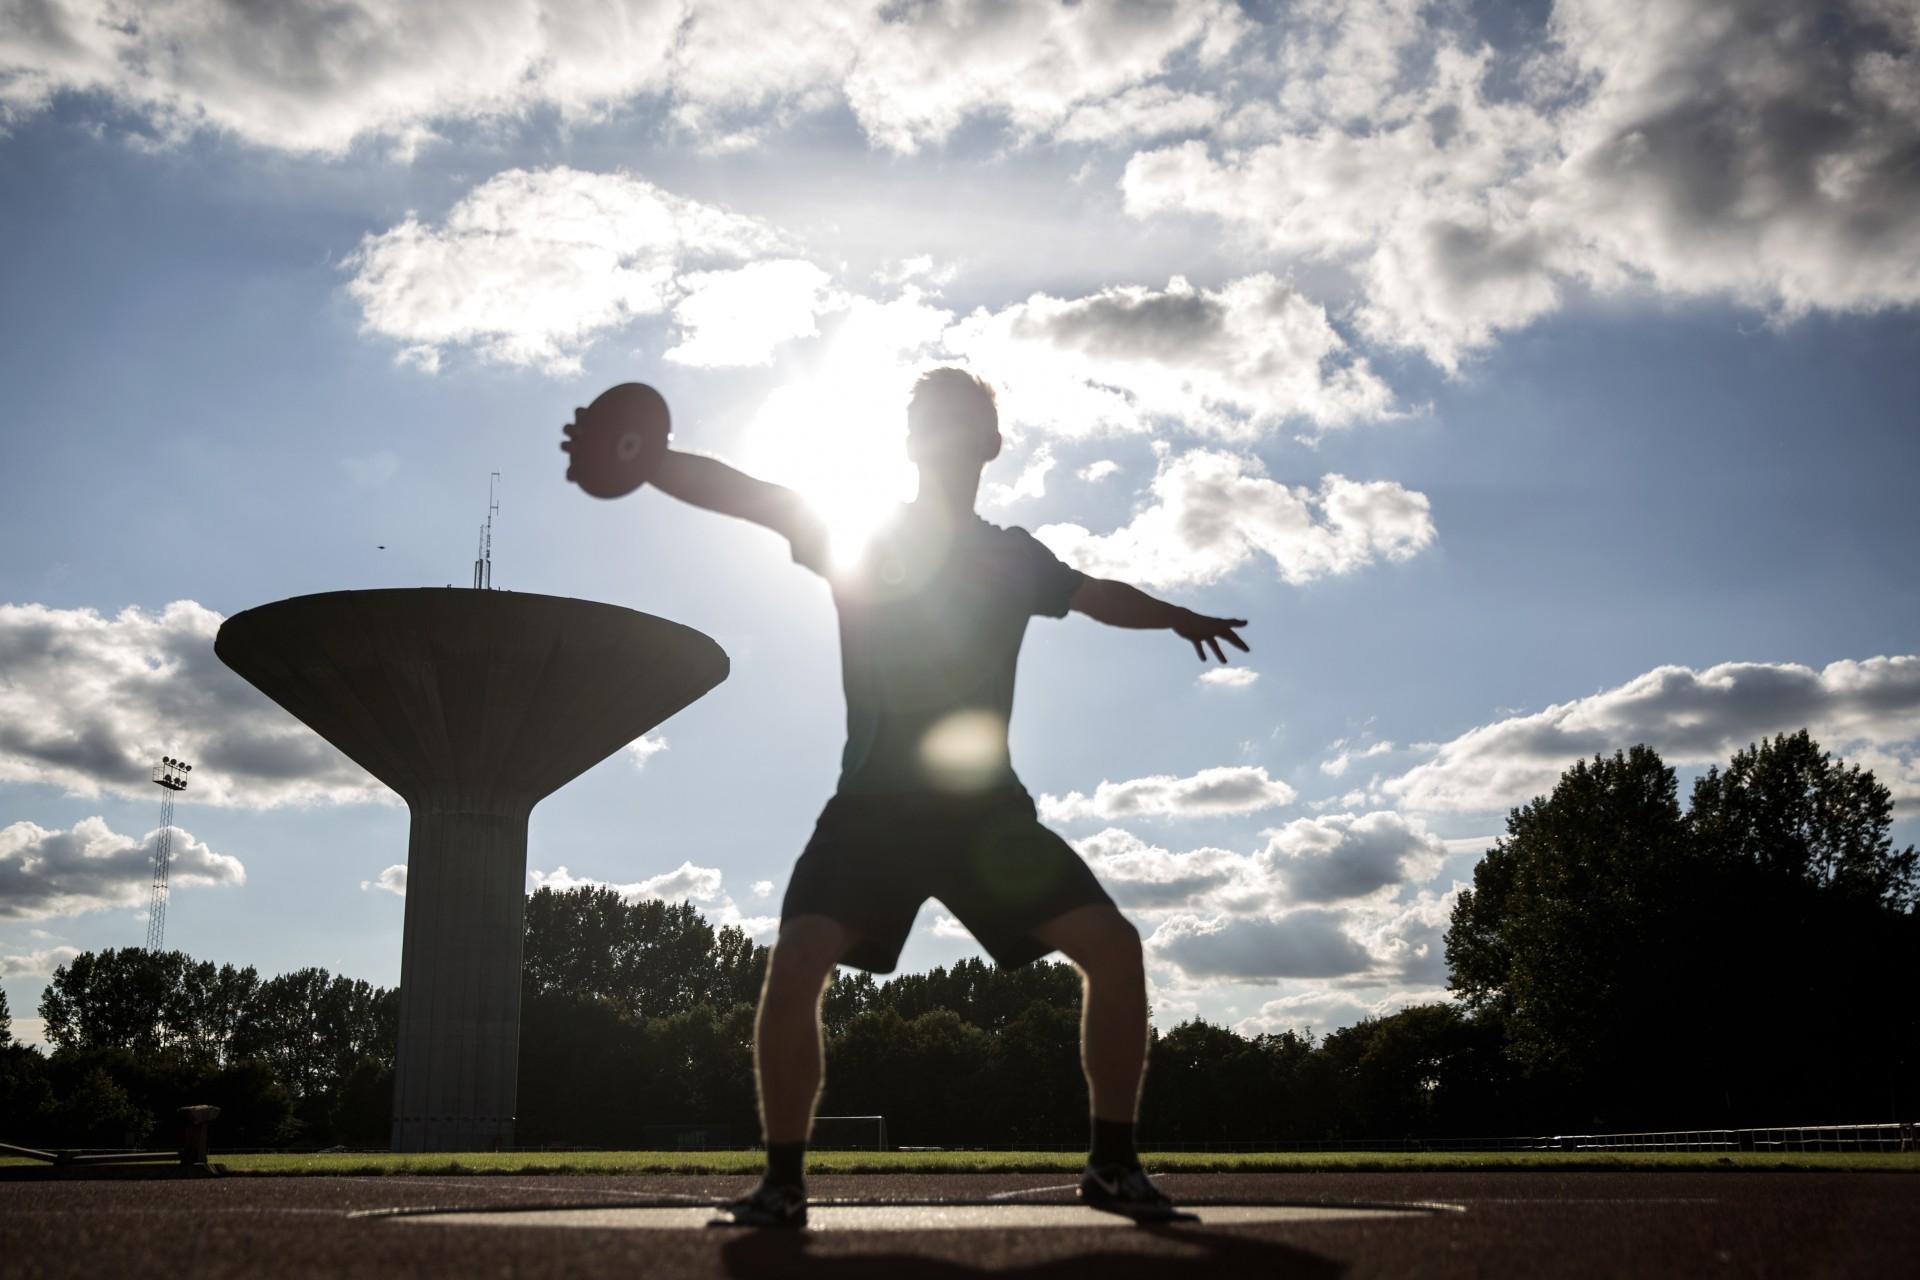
473,705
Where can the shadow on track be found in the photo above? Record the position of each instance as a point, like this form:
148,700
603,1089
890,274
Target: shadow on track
1219,1255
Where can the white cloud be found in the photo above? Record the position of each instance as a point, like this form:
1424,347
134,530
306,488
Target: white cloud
1235,361
1095,472
1150,880
1690,717
736,318
922,74
311,75
1229,677
762,888
89,703
687,882
1213,511
645,748
1449,183
945,926
1306,943
1338,765
35,964
1318,1009
393,880
1757,149
532,266
1221,790
89,867
1030,483
1748,149
1324,1009
919,267
1337,898
1138,115
1340,856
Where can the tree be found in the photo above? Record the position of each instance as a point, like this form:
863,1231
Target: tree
653,958
1789,810
99,1112
6,1021
132,998
1796,844
362,1114
850,993
1566,935
208,1007
313,1028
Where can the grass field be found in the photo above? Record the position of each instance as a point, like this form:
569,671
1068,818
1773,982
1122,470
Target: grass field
604,1163
748,1162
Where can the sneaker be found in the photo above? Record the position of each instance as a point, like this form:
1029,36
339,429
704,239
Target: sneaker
1126,1189
771,1204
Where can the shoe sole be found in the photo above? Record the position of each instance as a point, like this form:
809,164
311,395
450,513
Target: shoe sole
1139,1213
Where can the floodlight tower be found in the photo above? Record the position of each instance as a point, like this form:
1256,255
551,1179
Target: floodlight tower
170,776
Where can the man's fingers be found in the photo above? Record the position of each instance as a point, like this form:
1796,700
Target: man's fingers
1198,652
1237,642
1216,650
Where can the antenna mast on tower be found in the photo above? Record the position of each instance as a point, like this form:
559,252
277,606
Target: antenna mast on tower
483,562
171,776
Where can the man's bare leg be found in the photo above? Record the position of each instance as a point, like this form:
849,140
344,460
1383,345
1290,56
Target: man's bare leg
1113,1009
1113,1052
789,1065
787,1050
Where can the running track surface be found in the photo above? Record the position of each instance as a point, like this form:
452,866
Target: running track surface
1733,1223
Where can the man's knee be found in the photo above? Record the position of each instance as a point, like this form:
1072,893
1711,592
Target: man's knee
1118,951
1098,939
804,956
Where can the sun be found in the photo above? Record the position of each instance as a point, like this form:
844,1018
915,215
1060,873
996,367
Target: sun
840,443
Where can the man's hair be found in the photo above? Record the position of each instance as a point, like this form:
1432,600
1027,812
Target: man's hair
946,398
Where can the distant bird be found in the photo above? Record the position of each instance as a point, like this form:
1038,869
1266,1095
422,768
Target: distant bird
382,547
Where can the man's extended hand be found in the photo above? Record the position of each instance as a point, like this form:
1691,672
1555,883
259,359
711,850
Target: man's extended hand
1198,630
1119,605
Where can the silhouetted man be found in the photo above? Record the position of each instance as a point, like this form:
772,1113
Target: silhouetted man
932,613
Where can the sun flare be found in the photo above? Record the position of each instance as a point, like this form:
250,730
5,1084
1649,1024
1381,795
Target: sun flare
839,443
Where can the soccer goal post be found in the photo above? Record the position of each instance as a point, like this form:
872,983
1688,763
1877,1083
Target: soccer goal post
849,1133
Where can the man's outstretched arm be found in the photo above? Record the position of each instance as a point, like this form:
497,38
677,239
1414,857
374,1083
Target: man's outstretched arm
1119,605
712,484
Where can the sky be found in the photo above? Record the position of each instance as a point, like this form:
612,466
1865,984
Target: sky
1537,379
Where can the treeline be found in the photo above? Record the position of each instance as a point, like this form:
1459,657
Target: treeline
303,1057
1621,964
1747,961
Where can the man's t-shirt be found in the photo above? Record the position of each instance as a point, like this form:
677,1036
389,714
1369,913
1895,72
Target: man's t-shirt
931,619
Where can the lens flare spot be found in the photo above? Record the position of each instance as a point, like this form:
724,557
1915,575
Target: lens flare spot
966,751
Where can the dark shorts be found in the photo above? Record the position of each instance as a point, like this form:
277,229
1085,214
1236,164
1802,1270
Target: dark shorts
874,859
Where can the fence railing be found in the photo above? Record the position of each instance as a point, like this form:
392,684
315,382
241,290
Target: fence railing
1815,1137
